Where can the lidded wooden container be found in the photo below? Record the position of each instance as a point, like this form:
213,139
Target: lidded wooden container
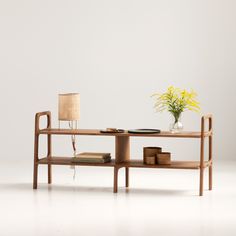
149,155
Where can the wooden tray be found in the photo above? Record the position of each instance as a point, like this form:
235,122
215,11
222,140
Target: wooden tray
144,131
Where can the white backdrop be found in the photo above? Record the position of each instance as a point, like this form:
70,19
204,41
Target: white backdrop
116,54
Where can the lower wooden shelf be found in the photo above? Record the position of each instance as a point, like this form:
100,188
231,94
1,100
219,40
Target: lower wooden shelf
131,163
69,161
173,165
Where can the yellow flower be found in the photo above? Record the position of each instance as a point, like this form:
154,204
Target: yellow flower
176,101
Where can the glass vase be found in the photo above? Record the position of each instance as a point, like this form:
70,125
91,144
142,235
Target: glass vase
176,125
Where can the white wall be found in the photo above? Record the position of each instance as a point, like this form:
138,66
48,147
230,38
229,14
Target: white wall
116,54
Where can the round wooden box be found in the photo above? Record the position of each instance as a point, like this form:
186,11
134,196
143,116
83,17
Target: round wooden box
163,158
149,155
149,160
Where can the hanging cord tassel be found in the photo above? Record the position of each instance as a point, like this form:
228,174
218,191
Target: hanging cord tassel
73,141
74,173
73,144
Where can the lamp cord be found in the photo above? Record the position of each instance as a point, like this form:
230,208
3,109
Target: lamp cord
74,173
73,141
73,138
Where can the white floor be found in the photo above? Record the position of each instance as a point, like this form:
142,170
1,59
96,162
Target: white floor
159,202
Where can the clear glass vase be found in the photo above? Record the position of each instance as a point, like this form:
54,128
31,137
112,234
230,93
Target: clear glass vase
176,125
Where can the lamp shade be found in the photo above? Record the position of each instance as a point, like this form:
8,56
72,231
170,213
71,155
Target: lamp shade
68,106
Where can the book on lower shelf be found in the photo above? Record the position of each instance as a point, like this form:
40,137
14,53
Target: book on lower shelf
92,157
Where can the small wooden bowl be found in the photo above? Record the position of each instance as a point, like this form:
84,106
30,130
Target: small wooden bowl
163,158
151,151
149,160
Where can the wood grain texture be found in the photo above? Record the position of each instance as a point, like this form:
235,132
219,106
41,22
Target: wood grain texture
122,147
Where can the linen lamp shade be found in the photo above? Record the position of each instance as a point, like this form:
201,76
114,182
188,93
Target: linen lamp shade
68,106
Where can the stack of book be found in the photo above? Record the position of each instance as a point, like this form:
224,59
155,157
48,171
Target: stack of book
93,157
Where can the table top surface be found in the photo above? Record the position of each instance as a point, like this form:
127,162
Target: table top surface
182,134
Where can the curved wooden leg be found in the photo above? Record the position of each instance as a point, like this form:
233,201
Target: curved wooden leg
36,147
201,182
210,177
126,177
35,178
210,159
115,186
122,154
49,174
49,157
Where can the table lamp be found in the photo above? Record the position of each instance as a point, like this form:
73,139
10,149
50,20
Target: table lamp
69,110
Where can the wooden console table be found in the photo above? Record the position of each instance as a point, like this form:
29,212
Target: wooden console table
122,151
